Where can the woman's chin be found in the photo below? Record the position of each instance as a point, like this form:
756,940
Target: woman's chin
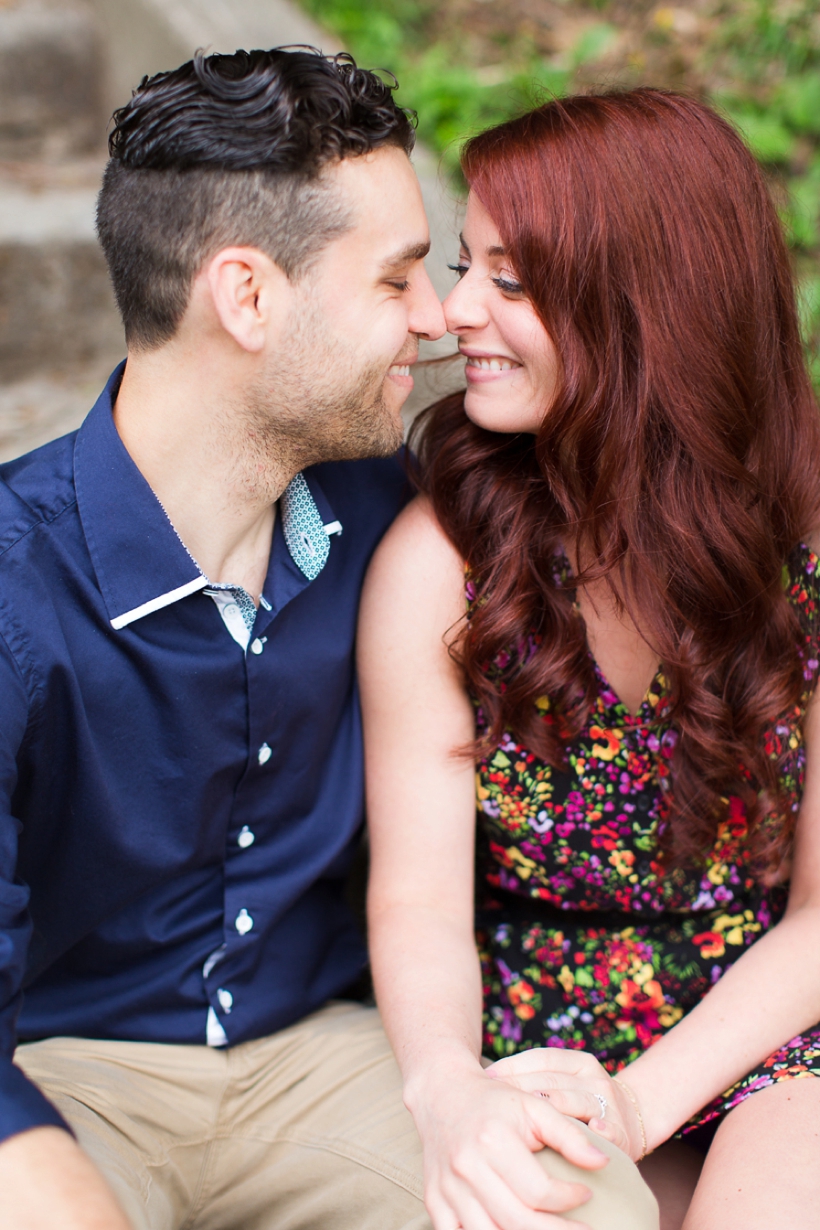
496,414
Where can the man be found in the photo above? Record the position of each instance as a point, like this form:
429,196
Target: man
180,757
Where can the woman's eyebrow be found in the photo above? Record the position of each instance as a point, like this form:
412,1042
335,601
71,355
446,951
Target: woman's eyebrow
493,251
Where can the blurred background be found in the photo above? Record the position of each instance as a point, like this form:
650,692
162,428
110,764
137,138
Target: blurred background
462,64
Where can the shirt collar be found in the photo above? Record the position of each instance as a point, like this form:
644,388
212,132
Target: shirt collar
141,563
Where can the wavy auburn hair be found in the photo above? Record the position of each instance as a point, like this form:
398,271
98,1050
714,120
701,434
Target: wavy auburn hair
682,448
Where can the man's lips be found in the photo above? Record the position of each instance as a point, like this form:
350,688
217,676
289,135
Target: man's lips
399,371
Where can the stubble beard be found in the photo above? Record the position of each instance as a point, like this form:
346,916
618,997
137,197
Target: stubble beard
314,404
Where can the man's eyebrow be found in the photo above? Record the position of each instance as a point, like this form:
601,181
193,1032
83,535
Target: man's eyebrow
493,251
413,252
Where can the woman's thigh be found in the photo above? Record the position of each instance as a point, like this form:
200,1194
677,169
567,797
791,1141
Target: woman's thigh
762,1171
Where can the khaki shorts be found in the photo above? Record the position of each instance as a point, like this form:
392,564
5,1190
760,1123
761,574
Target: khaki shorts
304,1130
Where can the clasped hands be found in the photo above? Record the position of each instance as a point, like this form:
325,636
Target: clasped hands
576,1084
482,1131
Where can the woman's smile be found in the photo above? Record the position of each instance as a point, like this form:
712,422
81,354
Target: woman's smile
482,367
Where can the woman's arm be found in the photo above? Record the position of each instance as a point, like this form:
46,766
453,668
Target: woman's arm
478,1134
770,994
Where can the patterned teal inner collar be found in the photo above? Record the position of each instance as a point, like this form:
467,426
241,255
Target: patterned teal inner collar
306,537
305,534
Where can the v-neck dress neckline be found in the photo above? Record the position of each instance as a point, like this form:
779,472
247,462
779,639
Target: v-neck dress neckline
610,699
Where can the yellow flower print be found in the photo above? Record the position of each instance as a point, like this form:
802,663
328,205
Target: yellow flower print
735,927
611,745
622,861
644,974
567,979
525,866
669,1016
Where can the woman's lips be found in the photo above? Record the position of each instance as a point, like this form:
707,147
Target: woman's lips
481,369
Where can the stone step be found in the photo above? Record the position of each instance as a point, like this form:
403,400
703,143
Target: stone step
42,407
52,103
56,304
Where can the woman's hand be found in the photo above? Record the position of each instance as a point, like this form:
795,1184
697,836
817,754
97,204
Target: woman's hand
576,1084
480,1137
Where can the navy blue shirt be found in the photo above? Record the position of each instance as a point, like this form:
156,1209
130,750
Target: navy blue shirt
180,788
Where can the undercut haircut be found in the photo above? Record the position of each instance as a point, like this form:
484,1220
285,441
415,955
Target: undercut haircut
229,150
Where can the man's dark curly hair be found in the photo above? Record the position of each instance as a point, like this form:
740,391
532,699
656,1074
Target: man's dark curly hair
229,149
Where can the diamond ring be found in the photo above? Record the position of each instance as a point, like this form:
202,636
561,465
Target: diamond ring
603,1103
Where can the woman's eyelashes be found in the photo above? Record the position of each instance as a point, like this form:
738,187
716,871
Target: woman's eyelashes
507,285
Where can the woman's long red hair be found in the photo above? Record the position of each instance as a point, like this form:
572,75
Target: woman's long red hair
683,447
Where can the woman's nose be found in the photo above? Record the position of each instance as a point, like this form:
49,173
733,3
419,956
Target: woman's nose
464,308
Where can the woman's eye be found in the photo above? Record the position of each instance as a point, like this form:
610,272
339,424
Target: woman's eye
459,269
509,287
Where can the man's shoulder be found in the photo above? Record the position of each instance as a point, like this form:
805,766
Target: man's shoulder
373,489
35,489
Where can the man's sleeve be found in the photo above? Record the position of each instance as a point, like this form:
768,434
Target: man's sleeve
22,1105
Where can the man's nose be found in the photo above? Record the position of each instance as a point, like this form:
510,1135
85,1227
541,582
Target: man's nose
426,315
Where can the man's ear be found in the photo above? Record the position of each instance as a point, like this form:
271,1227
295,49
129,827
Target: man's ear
250,295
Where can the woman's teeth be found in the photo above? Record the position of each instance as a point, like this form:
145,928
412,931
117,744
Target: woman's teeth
398,370
493,365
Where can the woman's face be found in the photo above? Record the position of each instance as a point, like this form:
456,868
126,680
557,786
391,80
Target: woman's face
512,364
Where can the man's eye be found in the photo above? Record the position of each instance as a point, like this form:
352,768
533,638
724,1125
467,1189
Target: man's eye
509,287
403,285
459,269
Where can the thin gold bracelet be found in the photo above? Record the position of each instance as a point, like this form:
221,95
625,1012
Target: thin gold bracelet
630,1094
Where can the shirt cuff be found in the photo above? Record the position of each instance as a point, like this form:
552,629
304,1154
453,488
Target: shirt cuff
22,1105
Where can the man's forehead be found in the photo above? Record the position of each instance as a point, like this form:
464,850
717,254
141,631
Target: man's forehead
382,193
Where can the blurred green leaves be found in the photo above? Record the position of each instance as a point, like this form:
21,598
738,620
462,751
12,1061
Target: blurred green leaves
452,96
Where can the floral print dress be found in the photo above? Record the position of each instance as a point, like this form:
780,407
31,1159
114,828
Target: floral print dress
584,942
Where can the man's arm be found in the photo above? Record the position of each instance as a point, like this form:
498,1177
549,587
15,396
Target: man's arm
48,1182
46,1179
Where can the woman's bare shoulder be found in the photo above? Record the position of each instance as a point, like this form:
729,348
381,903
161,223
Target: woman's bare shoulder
415,583
417,541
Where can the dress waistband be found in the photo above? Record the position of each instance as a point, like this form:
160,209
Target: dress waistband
519,908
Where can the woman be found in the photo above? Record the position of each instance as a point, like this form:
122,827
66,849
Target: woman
629,488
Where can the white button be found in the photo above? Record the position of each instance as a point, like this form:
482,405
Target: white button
246,837
225,1000
244,922
264,754
231,609
257,646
